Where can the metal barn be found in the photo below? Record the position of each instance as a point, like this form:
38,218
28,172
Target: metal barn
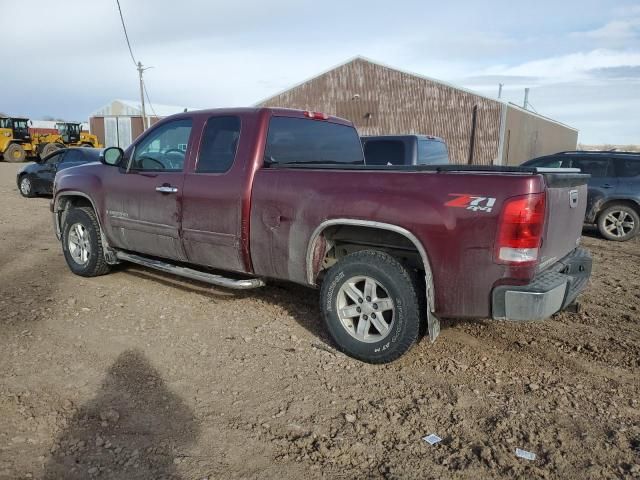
382,100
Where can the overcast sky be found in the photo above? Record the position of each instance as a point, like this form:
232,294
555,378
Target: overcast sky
581,58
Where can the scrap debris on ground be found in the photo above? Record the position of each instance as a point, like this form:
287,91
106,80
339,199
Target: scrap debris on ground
141,375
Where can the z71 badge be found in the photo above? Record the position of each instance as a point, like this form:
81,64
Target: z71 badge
474,203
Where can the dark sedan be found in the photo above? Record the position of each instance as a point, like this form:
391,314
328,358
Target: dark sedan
37,177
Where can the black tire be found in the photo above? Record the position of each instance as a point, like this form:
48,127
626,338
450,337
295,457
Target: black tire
50,148
25,186
14,153
394,280
622,231
95,263
87,145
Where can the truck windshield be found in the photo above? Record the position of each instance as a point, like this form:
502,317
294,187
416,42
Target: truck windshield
21,124
299,140
432,151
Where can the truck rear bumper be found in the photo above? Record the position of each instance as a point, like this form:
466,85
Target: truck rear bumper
549,292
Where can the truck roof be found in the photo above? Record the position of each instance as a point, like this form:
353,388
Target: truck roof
418,136
253,111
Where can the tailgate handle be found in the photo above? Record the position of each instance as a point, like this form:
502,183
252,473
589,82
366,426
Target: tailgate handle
166,189
573,198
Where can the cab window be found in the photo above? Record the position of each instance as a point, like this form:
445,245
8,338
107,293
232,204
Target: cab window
163,149
219,144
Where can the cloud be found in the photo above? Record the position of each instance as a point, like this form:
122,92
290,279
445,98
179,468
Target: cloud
573,66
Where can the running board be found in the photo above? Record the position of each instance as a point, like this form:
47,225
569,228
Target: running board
210,278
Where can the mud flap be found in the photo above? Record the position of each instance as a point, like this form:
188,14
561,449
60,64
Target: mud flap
433,324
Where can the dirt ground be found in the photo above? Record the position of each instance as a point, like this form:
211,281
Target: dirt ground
140,375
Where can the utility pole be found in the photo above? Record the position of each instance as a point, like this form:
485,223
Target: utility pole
500,85
144,115
526,99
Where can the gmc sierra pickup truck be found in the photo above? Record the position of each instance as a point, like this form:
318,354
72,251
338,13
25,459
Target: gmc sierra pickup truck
285,194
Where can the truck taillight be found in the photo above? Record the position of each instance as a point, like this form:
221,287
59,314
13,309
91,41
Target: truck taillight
316,115
520,229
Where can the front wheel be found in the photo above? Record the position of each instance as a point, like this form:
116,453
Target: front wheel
26,186
371,306
619,223
81,243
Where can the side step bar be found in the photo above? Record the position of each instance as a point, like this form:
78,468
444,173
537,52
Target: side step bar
210,278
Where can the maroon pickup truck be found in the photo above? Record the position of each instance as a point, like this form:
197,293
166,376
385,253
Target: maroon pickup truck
286,194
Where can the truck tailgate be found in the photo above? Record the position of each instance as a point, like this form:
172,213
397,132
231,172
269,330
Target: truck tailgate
566,206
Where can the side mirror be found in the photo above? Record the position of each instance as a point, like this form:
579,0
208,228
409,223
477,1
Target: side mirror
112,156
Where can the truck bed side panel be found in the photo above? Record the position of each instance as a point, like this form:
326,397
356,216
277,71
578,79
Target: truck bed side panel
289,204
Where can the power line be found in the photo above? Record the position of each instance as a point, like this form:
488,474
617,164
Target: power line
126,36
139,67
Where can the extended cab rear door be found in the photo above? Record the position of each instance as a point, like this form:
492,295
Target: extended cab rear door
214,188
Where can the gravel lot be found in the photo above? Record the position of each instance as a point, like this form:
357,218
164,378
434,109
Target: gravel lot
142,375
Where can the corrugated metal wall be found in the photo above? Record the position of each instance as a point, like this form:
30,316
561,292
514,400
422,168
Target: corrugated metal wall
381,100
528,136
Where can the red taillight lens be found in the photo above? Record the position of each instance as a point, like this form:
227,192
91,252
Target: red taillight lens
316,115
520,229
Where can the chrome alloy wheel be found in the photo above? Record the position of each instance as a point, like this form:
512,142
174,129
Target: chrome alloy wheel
25,186
78,244
619,223
365,309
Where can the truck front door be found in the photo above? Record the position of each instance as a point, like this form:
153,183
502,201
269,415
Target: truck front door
143,198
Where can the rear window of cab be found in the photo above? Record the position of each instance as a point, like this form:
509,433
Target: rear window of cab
308,141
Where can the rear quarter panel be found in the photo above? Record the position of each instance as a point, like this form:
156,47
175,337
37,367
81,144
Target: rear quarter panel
289,204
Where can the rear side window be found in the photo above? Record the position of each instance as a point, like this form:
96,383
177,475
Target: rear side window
432,152
384,152
596,167
219,144
298,140
629,167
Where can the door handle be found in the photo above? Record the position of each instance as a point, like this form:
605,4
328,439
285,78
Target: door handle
606,185
166,189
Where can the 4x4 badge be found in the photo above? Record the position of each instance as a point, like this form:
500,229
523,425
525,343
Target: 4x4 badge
474,203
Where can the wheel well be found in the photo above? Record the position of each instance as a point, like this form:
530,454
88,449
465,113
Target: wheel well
629,203
338,241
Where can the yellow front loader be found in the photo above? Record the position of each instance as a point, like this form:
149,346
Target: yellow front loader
69,135
15,140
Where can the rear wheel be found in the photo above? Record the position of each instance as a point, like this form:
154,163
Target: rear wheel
26,187
81,243
14,153
87,145
619,223
50,148
371,307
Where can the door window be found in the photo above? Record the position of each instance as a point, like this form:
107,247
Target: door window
596,167
219,144
629,167
163,149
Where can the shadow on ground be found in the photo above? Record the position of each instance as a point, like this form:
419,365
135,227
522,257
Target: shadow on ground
135,428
